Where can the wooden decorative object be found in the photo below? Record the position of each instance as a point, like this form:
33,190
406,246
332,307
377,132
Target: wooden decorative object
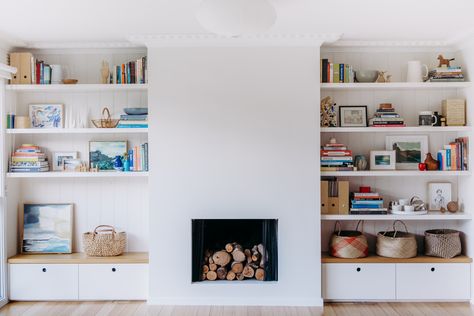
453,206
431,163
104,72
444,61
328,113
381,77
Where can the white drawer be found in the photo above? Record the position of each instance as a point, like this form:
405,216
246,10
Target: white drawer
368,281
35,282
441,281
113,281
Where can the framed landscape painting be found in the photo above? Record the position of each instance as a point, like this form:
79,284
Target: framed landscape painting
46,228
409,150
102,153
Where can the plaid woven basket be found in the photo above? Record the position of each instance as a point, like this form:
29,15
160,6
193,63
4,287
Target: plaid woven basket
348,244
444,243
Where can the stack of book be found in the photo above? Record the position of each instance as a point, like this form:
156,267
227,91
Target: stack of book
336,73
454,156
370,203
138,156
446,74
336,157
386,116
131,72
28,158
133,121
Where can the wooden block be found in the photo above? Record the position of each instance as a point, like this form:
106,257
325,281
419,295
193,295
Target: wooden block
333,205
454,110
25,68
343,195
324,197
15,62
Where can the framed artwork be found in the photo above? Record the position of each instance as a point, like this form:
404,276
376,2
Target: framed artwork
102,153
409,150
382,160
46,228
59,157
72,164
439,195
46,115
353,116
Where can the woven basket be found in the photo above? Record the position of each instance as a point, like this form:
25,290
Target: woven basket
104,241
396,244
348,243
444,243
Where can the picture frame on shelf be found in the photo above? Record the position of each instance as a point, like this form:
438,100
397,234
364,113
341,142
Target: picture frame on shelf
410,150
353,116
60,156
382,160
46,115
439,195
102,153
46,228
72,165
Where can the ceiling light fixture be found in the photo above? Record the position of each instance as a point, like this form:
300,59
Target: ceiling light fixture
236,17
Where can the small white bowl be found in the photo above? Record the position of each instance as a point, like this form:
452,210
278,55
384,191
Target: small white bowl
397,208
409,208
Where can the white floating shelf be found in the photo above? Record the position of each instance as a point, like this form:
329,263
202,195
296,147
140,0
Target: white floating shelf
407,129
395,85
395,173
77,131
61,174
432,215
76,87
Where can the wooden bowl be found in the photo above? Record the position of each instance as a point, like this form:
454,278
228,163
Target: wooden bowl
70,81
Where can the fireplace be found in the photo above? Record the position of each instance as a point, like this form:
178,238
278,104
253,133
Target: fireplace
234,249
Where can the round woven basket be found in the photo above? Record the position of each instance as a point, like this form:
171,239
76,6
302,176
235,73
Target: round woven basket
396,244
348,243
104,241
444,243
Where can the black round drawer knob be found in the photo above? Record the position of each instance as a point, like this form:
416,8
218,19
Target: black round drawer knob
358,269
44,270
433,269
113,269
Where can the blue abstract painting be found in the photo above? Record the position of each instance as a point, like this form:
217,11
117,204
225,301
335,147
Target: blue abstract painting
46,115
47,228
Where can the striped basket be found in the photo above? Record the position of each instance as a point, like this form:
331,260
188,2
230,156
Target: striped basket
348,243
396,244
444,243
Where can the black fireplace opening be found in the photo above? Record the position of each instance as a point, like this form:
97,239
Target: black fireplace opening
234,249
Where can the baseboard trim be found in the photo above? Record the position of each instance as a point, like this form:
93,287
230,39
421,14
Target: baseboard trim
244,301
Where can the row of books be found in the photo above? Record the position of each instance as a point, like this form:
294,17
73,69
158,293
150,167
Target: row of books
138,156
131,72
133,121
28,158
454,156
336,157
336,73
386,116
370,203
446,74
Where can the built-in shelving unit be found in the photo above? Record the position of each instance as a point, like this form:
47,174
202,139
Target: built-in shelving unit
79,258
395,86
406,129
63,174
34,131
431,216
80,87
377,259
395,173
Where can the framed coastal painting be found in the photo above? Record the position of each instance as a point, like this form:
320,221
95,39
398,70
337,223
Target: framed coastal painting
409,150
103,153
46,228
382,160
46,115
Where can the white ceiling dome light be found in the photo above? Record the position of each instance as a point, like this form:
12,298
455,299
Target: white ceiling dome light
236,17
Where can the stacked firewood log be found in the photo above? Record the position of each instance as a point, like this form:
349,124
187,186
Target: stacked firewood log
235,263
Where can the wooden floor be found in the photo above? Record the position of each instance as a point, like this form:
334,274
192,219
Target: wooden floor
141,308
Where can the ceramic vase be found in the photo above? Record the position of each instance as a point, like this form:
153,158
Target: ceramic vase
431,163
360,162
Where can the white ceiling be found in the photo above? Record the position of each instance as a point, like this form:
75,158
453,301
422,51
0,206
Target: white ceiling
33,21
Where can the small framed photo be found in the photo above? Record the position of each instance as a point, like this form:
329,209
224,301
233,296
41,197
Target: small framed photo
382,160
59,157
439,195
46,228
72,164
46,115
409,150
353,116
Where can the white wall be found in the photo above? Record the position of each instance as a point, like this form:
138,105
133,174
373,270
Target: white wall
234,134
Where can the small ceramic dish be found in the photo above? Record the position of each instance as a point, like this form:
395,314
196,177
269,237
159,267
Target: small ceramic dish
136,111
366,75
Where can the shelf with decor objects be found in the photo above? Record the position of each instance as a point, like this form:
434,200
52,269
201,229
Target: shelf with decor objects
396,86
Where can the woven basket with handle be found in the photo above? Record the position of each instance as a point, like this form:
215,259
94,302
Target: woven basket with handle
396,243
444,243
104,241
348,243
